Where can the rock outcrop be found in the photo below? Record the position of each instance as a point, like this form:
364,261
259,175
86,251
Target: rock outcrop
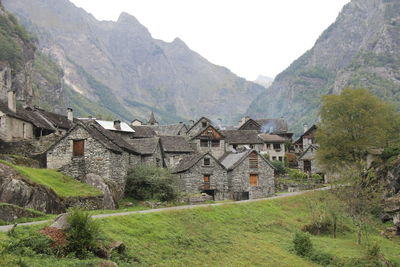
360,50
18,190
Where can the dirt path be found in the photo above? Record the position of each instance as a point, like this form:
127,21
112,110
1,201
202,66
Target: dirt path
6,228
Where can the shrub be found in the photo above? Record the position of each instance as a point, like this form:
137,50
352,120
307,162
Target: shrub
302,244
297,175
83,233
321,258
30,245
279,167
146,182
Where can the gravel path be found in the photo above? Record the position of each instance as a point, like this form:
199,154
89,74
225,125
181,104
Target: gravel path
6,228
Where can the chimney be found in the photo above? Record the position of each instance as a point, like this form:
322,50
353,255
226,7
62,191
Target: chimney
305,127
12,102
70,115
117,125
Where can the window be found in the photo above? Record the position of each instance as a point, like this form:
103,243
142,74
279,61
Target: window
206,179
253,179
204,143
277,146
215,143
307,166
273,158
268,146
253,160
78,148
207,162
280,158
204,124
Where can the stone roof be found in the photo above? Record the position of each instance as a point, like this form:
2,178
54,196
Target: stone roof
189,161
175,144
172,129
231,159
143,131
273,125
271,138
39,118
242,137
108,138
58,121
145,146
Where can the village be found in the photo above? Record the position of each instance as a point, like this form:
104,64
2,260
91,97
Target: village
219,162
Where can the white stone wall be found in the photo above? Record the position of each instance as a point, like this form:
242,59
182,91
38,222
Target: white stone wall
273,153
215,151
12,129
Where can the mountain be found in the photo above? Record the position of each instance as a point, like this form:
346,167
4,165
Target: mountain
17,51
264,81
119,67
360,50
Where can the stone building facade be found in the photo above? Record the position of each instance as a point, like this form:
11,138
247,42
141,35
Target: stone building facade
210,140
307,161
203,173
198,126
250,175
175,148
88,149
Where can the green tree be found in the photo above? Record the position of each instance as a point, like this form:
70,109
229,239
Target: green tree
352,123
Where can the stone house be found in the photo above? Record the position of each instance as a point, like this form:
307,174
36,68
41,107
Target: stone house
235,139
271,126
150,150
136,122
203,173
175,149
273,146
307,161
198,126
210,140
18,124
306,139
90,149
250,175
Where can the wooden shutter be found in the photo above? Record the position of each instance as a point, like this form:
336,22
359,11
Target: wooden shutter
253,179
206,179
78,148
253,160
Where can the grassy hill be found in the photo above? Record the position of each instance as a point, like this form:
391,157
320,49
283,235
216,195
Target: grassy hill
251,234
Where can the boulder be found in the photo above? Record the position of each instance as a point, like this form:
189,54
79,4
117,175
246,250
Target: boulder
16,189
61,222
100,183
9,212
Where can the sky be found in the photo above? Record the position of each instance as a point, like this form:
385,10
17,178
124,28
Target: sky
250,37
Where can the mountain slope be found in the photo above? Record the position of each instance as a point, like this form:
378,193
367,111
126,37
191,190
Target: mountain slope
103,60
361,49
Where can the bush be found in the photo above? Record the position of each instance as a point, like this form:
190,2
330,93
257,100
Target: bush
302,244
279,167
321,258
83,233
30,245
146,182
297,175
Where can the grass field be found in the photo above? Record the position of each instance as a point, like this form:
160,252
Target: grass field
64,186
251,234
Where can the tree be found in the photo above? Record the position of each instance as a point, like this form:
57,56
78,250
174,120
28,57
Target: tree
351,124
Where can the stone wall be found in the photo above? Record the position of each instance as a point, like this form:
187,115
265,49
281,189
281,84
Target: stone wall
196,129
310,155
192,181
97,159
12,129
215,151
172,159
239,179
